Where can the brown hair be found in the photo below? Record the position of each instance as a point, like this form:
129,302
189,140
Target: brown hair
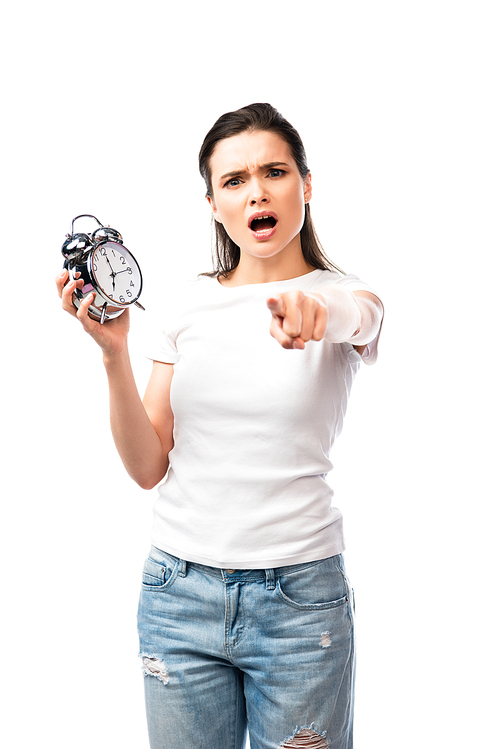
226,254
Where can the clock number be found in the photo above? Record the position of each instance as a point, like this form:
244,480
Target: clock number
124,262
129,293
122,299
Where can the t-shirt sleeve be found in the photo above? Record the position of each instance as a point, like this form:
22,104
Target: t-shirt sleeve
161,343
164,349
369,352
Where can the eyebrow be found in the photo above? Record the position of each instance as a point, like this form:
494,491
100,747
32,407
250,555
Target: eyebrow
263,167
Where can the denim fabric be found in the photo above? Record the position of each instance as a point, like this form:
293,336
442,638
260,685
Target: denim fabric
221,649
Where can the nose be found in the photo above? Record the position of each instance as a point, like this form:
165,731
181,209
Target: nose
258,194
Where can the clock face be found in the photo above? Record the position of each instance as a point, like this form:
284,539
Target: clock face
116,272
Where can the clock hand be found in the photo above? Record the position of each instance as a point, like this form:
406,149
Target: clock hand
112,271
112,274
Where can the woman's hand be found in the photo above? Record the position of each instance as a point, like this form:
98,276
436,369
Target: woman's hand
335,314
112,336
297,318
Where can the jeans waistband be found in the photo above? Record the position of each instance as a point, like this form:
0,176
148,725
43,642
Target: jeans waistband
241,575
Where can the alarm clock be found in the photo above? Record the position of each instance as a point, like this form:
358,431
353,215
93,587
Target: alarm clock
107,268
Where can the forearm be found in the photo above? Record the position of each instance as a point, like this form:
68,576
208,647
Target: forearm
354,318
139,445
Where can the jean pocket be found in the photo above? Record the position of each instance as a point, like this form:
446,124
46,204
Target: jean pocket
159,575
315,587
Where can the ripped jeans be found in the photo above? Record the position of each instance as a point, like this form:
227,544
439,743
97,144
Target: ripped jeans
223,651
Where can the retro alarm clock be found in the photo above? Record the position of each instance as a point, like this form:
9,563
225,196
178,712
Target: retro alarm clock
106,267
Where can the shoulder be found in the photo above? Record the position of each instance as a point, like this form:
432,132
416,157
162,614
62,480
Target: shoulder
348,280
351,282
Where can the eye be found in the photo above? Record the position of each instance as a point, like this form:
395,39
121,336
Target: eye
276,172
233,182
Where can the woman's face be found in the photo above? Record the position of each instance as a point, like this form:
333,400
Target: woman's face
258,193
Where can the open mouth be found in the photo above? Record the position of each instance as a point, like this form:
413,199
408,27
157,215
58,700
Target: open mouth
263,224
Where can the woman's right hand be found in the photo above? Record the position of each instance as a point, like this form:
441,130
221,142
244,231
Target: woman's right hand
112,335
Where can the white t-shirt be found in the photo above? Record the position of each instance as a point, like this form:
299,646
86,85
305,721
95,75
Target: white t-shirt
253,427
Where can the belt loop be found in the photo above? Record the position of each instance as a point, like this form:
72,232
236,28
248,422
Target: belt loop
270,579
182,568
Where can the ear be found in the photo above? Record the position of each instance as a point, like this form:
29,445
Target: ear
212,205
307,188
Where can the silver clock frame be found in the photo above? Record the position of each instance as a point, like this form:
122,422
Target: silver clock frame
79,251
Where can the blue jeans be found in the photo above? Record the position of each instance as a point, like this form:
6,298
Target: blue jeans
225,649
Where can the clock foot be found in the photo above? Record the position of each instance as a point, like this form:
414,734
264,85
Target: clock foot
103,312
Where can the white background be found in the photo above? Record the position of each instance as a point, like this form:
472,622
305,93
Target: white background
105,107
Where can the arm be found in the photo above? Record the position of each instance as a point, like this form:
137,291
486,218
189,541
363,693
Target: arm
143,433
335,313
345,308
372,312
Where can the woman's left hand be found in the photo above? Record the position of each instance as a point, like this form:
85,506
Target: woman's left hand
297,318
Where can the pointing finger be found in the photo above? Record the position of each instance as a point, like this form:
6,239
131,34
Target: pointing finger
276,306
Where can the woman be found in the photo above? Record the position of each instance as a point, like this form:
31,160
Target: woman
246,614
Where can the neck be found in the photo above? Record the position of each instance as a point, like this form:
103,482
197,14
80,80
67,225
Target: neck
252,270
